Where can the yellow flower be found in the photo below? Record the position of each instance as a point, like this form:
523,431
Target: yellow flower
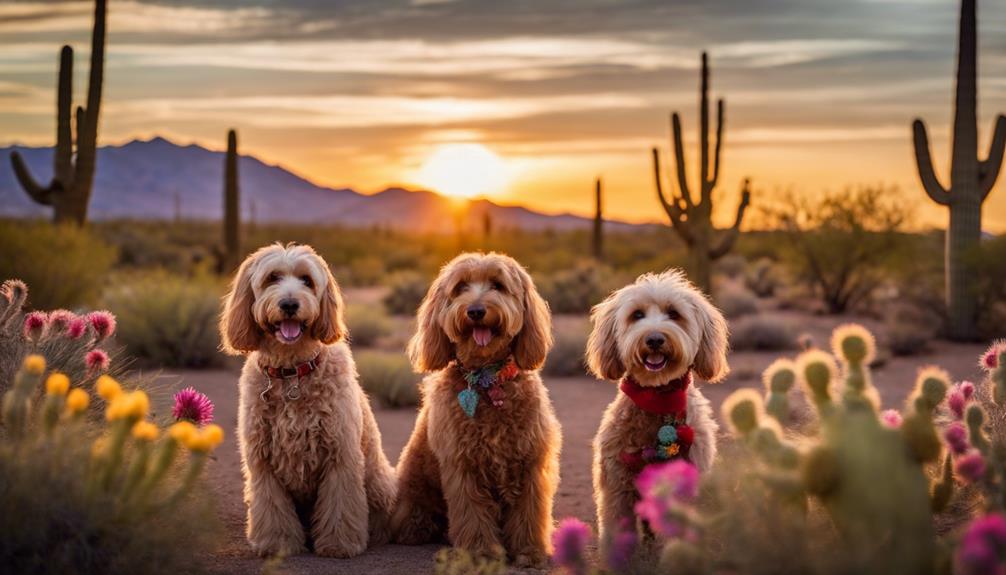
133,405
77,400
139,404
215,434
182,431
145,431
34,364
108,389
205,440
57,384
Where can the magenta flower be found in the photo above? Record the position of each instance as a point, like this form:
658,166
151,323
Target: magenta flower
990,359
968,389
59,320
957,438
981,546
623,545
891,418
192,406
570,543
76,328
103,323
956,402
96,361
34,326
970,468
663,489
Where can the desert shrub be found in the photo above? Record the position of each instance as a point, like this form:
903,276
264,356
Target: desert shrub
762,333
406,292
840,243
115,497
732,266
364,271
988,265
167,320
908,329
388,377
566,359
65,266
762,278
735,301
577,289
367,324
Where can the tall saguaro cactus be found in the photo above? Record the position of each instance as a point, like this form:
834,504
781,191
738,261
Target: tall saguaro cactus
69,191
692,220
971,179
598,238
232,205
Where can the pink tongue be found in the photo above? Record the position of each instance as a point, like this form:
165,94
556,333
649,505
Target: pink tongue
290,328
482,335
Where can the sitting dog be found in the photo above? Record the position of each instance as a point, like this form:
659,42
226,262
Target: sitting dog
483,460
310,448
652,336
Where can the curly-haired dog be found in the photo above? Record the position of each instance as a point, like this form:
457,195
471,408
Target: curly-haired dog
310,448
483,460
651,336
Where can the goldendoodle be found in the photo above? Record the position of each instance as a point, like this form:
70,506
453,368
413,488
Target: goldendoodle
310,447
482,464
652,336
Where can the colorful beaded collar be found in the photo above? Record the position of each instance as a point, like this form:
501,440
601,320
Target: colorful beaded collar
487,380
675,436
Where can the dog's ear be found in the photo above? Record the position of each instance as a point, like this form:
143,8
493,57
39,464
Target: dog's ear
430,349
602,346
329,327
711,357
532,344
238,331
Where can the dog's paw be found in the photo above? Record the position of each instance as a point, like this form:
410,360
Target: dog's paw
531,559
277,547
341,545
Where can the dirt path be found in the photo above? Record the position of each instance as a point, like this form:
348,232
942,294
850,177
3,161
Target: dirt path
579,403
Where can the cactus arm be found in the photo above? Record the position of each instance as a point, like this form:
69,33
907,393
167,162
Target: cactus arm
730,236
924,160
704,129
989,168
943,488
37,192
62,163
97,71
674,211
679,159
719,143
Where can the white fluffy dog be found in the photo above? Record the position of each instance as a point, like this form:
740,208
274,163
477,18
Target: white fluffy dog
310,448
651,336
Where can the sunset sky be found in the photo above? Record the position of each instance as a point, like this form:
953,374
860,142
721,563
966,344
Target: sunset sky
548,93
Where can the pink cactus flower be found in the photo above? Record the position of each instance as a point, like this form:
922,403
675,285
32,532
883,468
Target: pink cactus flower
983,542
990,359
191,405
968,389
59,320
662,488
970,468
957,438
103,323
34,326
623,545
570,542
891,418
76,328
957,402
96,361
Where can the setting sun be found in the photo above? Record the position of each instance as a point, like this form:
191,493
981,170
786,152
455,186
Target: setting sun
463,171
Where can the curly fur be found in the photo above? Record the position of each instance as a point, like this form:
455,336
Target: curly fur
486,482
695,336
314,469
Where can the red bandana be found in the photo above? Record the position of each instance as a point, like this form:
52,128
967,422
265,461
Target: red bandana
668,399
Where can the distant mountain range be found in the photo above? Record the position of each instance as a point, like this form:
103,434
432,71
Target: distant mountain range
160,180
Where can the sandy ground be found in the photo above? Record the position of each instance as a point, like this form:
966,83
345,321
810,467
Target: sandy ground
579,403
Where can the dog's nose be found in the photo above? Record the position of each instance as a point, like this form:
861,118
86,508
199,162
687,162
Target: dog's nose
289,306
476,312
655,341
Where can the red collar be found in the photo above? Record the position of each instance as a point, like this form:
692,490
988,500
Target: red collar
668,399
300,370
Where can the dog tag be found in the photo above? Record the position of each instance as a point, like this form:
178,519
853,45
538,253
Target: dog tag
469,400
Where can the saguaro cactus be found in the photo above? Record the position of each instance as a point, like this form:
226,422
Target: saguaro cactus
69,190
232,204
598,238
971,179
693,220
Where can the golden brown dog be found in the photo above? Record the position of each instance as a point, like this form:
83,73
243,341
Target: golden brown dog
482,464
310,448
651,336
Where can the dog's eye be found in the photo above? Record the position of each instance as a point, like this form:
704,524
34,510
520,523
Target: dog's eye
307,281
272,278
462,287
637,315
673,314
498,286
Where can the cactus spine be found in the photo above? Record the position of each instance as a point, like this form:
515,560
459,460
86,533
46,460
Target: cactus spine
232,204
690,219
971,179
69,190
598,238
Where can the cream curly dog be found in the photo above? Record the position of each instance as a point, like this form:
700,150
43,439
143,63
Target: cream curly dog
482,464
310,448
651,336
